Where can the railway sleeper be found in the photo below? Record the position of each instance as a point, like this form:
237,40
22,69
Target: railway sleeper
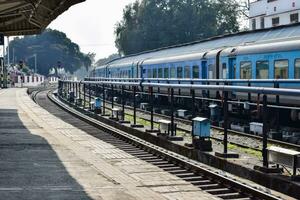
231,195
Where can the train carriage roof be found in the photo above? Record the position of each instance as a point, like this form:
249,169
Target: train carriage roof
279,46
281,33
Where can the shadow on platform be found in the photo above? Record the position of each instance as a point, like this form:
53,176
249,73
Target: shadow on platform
29,166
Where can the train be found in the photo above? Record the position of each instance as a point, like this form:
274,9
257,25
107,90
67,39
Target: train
272,53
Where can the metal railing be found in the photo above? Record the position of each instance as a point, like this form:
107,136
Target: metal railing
192,85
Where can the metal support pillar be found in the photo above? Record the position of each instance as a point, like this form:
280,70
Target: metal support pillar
172,113
265,132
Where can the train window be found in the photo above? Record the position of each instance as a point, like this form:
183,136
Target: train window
281,69
224,71
154,73
297,69
149,73
196,72
179,72
160,72
246,70
262,69
173,72
187,72
166,73
211,71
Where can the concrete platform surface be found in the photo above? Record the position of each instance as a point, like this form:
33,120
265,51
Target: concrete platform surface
42,157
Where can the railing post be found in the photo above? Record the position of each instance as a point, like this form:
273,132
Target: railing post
134,105
90,95
76,90
193,102
79,90
123,103
103,94
265,131
225,110
277,109
151,107
84,95
249,94
112,96
172,112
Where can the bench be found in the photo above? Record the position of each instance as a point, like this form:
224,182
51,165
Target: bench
284,157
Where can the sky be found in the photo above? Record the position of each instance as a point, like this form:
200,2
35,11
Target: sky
91,25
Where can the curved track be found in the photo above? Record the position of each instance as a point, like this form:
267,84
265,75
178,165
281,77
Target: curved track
188,170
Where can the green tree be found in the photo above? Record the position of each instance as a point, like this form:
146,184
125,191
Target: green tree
51,47
152,24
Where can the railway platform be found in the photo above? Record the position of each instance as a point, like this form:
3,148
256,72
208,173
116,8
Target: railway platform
43,157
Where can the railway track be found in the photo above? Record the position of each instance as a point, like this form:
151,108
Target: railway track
191,171
240,139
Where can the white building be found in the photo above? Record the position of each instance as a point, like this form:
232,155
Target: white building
271,13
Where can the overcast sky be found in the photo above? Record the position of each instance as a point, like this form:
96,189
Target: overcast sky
91,25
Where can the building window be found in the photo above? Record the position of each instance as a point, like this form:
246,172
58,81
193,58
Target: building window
275,9
166,73
294,4
271,1
246,70
294,18
179,72
187,72
297,69
262,70
275,21
196,72
262,22
253,24
281,69
154,73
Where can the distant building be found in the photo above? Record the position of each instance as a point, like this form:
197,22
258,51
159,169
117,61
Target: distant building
271,13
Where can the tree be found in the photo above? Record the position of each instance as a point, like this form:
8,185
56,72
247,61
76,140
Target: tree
51,47
151,24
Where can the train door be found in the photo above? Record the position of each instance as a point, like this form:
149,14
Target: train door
204,70
232,68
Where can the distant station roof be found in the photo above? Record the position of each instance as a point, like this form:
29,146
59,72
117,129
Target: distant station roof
23,17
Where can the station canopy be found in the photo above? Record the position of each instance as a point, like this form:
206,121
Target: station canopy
24,17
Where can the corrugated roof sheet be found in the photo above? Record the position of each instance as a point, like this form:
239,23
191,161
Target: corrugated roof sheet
23,17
